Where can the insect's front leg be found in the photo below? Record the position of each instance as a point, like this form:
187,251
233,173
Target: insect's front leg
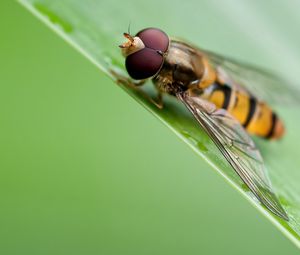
159,103
136,85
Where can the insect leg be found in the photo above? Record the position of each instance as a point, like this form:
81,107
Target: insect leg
159,103
136,86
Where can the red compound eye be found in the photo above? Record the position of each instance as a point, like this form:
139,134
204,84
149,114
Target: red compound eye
154,38
144,63
147,62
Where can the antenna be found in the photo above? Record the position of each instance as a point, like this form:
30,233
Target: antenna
129,26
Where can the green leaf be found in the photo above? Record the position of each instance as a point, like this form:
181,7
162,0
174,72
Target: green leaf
238,29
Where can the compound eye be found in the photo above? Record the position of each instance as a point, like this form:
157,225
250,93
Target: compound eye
143,64
154,38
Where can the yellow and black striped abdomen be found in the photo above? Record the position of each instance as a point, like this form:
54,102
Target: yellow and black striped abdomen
256,117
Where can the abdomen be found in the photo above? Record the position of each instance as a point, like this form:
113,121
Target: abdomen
255,116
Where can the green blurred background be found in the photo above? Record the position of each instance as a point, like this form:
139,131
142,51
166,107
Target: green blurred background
86,170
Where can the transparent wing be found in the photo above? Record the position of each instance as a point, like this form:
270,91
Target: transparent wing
237,147
260,83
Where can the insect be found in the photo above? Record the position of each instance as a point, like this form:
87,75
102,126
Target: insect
219,92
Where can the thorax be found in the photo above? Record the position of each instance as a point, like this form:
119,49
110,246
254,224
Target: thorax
183,67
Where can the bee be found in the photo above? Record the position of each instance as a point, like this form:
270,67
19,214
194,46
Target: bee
227,98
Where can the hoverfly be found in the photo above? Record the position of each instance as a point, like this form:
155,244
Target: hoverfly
219,92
